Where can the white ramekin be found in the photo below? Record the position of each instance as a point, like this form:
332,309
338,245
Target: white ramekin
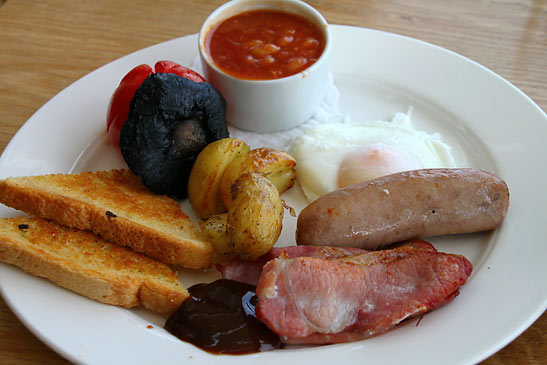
268,105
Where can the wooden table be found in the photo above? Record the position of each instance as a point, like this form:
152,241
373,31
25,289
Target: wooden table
47,45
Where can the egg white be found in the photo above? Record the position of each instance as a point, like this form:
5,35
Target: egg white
321,149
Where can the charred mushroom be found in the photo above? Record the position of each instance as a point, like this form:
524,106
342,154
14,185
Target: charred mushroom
171,119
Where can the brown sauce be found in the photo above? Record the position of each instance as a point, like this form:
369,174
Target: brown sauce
220,318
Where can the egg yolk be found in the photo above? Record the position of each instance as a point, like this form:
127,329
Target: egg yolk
373,161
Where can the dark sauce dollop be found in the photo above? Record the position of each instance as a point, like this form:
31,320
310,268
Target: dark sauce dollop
220,318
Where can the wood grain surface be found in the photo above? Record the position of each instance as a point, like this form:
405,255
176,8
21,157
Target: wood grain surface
47,45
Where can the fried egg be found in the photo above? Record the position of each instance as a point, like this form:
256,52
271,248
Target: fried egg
333,155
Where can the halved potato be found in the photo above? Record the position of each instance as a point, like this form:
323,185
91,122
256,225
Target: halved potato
277,166
206,174
255,216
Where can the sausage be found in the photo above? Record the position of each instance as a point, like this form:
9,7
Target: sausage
405,205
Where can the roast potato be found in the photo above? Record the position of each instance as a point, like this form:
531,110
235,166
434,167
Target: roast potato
206,174
214,230
276,165
255,216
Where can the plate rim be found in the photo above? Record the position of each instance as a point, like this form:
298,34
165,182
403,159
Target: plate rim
70,356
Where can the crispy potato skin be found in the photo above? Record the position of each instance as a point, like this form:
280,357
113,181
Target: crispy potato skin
214,230
205,177
277,166
227,176
255,216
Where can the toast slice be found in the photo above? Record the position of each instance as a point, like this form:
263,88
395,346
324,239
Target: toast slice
80,261
116,206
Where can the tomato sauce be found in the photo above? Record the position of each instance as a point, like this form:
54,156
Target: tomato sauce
265,44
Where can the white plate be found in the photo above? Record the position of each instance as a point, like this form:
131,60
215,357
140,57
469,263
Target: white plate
490,124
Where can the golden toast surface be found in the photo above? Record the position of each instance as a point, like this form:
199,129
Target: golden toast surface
116,206
84,263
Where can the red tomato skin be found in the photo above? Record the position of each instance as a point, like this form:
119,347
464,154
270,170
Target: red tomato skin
118,110
175,68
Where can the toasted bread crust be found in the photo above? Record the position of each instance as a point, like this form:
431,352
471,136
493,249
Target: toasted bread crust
116,206
79,261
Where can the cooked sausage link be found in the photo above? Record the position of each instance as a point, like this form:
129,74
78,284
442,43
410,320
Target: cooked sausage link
410,204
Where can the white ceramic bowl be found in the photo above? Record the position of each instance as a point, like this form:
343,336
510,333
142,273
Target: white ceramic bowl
268,105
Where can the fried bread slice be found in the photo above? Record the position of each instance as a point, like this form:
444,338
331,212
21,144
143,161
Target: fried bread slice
82,262
116,206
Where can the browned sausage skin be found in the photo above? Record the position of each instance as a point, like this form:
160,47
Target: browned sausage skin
410,204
